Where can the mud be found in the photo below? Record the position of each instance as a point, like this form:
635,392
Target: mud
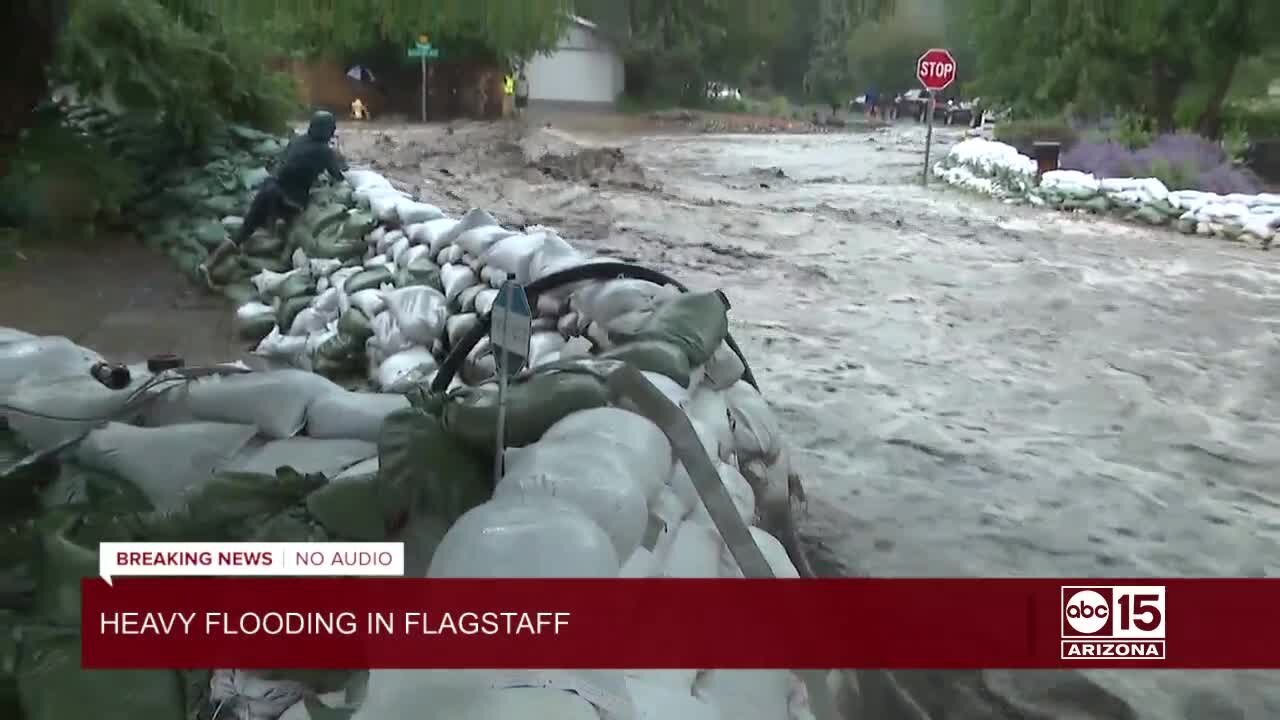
975,389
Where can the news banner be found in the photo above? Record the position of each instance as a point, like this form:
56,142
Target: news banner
343,605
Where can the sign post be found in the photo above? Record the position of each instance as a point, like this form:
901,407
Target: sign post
510,328
424,51
936,70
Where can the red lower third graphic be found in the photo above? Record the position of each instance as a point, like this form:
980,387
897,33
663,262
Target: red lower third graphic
733,624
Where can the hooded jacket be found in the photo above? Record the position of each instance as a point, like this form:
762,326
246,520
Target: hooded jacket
307,157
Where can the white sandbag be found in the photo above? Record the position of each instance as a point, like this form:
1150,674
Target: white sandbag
668,387
412,255
598,336
602,484
604,301
522,703
641,564
479,364
323,267
658,702
387,336
397,251
247,696
278,346
163,462
432,234
339,277
298,710
12,335
267,282
639,444
422,693
455,279
354,415
774,553
746,694
694,553
474,218
370,301
755,428
723,369
484,300
300,260
513,254
476,241
419,311
253,313
403,370
322,284
548,304
567,325
527,537
384,204
466,301
411,211
710,407
375,262
452,254
366,180
52,356
492,276
308,321
364,468
328,303
307,455
389,240
375,237
744,498
274,401
72,396
543,345
457,326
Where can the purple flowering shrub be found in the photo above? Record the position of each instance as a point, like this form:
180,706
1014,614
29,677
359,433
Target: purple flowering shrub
1182,161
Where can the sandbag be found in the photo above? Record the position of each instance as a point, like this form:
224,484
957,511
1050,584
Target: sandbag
485,299
525,537
724,368
455,279
417,693
604,301
387,336
421,466
403,370
774,553
77,396
413,254
421,271
370,278
47,356
53,686
658,702
520,703
308,321
513,254
466,300
694,552
164,462
280,346
746,694
370,301
756,434
431,233
600,483
477,240
543,345
534,404
710,407
354,323
252,697
354,415
304,455
744,498
274,401
11,335
289,311
636,440
420,313
655,356
347,506
457,326
254,320
695,322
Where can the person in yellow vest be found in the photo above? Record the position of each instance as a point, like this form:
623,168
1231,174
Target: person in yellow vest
508,95
358,110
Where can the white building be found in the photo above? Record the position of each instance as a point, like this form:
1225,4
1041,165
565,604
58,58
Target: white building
584,69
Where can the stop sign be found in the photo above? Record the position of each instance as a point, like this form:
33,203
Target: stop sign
936,69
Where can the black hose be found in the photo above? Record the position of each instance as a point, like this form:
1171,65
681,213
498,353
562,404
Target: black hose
590,271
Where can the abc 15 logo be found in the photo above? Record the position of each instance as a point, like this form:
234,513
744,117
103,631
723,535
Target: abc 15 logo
1134,612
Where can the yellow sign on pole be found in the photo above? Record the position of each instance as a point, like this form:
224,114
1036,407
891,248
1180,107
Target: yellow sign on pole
424,40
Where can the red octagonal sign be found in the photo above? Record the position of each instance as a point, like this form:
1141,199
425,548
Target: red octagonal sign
936,69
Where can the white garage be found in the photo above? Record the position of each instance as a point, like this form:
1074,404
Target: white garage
584,69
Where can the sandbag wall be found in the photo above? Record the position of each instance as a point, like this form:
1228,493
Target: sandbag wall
997,169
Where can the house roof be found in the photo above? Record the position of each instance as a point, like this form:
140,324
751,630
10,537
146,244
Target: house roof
579,20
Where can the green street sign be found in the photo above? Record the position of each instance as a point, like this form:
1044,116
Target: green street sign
421,50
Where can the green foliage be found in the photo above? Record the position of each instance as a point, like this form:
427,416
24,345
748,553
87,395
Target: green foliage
1235,143
884,54
176,59
1261,121
1022,133
1174,175
1134,132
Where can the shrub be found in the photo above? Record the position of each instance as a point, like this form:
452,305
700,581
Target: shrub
1023,133
1182,161
1259,122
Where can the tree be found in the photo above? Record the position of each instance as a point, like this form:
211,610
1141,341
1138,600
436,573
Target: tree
830,75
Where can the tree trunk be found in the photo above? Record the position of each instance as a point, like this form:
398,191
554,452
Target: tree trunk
29,28
1209,124
1166,86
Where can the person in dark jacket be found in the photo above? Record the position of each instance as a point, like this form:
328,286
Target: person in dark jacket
285,195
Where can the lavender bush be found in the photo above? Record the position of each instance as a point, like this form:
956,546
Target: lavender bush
1183,161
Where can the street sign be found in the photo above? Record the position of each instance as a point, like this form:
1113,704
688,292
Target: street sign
424,51
936,69
510,328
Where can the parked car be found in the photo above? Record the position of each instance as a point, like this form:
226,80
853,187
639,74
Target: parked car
959,111
915,104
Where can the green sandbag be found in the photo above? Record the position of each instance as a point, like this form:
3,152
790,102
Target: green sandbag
53,686
256,265
255,329
349,508
358,224
656,356
419,272
354,324
319,216
292,525
188,262
1150,215
240,293
228,269
423,470
1097,206
264,244
1186,226
534,404
251,178
289,310
331,242
340,350
210,234
694,322
222,205
372,278
296,284
62,564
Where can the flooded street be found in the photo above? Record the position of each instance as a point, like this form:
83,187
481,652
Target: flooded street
972,389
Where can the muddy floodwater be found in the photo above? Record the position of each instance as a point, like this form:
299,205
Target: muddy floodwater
973,389
970,388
